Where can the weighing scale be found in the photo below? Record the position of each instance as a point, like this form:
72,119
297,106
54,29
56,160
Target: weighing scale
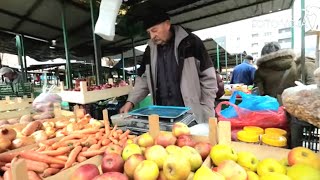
137,120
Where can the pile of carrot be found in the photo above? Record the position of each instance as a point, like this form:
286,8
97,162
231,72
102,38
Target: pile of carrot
52,156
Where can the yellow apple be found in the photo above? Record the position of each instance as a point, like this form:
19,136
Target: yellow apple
173,149
176,166
146,170
129,150
275,176
193,156
179,129
302,155
248,160
145,140
252,175
157,154
204,173
161,176
270,165
231,170
221,152
302,171
284,162
131,164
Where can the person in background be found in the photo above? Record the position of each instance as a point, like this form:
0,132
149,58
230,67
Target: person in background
244,72
10,76
309,68
176,69
276,70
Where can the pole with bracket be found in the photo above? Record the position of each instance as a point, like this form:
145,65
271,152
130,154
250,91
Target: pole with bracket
66,47
218,58
96,42
24,59
292,26
303,41
123,70
226,61
134,57
18,44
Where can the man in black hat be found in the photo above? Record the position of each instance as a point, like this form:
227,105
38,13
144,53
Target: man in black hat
176,69
244,72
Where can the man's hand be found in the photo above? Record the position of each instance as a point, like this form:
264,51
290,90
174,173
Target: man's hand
126,107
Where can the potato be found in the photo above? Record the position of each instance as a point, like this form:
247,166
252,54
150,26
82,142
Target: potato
45,115
3,122
26,119
13,121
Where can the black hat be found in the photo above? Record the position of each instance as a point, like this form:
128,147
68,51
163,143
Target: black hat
248,57
154,17
270,47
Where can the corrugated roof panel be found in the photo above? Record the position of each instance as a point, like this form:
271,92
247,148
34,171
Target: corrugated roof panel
19,7
41,31
7,21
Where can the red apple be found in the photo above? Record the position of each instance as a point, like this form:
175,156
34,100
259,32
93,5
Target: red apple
165,139
302,155
85,172
131,163
111,176
114,148
215,169
179,129
185,140
203,149
112,163
231,170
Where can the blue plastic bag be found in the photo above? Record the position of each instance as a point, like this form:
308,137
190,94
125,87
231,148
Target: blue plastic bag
251,102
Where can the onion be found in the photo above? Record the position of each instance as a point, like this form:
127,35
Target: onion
4,144
9,134
17,143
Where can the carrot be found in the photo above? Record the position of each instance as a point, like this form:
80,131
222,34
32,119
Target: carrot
57,166
81,158
131,136
48,142
2,163
4,168
62,157
119,131
7,157
86,131
31,128
33,176
115,134
98,135
59,151
84,149
49,172
126,133
95,147
40,157
105,142
102,130
71,137
72,157
41,148
89,142
36,166
91,153
123,141
114,140
103,148
113,130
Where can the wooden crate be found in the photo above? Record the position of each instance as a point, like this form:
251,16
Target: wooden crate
86,97
15,107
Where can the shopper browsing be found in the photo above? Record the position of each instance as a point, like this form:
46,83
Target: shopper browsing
10,76
244,72
176,69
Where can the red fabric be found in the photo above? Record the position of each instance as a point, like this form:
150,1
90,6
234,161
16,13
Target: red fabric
263,119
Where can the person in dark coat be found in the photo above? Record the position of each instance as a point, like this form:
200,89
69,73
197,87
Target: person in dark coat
309,67
276,70
244,72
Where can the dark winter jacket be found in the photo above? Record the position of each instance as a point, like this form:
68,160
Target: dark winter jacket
271,70
198,84
310,67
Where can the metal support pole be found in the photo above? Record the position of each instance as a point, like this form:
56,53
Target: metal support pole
123,70
292,26
134,57
24,58
318,50
226,61
66,48
96,43
241,57
20,58
218,58
236,59
302,41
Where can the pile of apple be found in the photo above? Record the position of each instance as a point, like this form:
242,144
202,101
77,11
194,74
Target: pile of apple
301,163
171,155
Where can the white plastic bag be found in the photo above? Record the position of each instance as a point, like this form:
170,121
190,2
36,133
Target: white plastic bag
105,26
44,102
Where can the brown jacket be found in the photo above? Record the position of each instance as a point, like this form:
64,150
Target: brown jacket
309,67
271,70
